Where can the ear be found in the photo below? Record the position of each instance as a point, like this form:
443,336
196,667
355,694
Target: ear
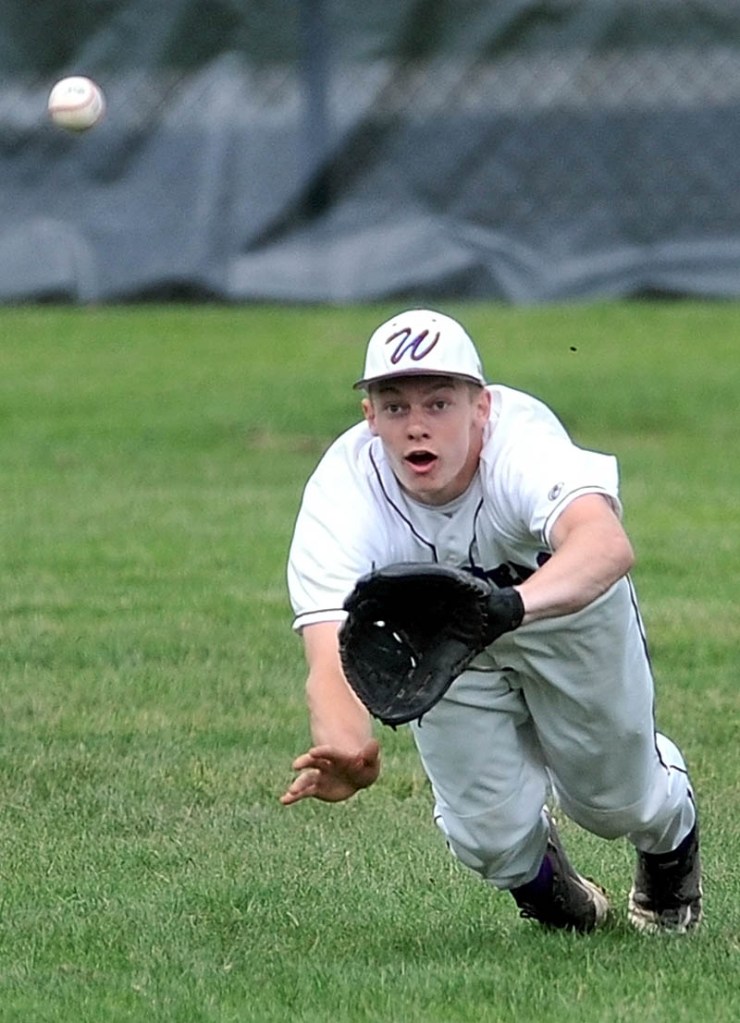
368,411
483,405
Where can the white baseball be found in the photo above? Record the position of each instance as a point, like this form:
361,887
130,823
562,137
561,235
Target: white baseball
76,103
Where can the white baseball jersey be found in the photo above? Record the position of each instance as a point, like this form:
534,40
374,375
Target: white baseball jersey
355,517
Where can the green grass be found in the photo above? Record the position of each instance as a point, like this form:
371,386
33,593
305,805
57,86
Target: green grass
152,691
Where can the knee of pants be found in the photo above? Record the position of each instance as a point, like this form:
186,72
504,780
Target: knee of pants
648,804
611,822
503,851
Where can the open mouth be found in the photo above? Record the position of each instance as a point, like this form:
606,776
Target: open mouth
421,459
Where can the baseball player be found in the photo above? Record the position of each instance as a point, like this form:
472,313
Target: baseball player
448,469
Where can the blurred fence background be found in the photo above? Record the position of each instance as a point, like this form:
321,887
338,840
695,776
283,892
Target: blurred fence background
340,151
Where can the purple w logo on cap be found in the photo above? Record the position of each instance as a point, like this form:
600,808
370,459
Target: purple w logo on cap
415,347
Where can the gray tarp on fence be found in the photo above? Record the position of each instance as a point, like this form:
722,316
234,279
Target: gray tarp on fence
332,151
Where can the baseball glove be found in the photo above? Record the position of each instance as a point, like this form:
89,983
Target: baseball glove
412,628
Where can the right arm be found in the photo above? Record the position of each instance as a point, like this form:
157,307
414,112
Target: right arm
344,757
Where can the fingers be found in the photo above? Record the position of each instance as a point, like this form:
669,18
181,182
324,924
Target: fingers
331,774
312,770
326,753
303,786
290,797
330,756
309,760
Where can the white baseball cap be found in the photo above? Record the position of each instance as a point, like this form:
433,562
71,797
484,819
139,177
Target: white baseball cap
421,342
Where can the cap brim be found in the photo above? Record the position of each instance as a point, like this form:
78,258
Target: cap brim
367,381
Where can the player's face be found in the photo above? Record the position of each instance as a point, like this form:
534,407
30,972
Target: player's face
432,432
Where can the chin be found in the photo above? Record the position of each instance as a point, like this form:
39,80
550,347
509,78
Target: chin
429,494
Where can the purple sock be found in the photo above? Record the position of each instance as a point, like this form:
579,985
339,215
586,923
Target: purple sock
538,887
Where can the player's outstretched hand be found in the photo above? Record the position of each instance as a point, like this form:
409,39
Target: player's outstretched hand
331,774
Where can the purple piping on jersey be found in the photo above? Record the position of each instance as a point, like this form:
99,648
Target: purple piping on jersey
318,611
396,509
570,495
472,542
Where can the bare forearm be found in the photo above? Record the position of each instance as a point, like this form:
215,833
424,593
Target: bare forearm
336,715
590,561
344,757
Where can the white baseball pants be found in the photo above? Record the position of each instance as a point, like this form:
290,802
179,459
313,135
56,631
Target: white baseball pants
563,706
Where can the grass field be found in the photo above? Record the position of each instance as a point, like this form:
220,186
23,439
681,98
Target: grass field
152,691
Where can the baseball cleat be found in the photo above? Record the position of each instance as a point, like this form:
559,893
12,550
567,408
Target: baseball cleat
571,902
666,895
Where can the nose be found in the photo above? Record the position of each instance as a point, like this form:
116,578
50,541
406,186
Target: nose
417,427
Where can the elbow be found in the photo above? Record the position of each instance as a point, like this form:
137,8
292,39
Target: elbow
626,558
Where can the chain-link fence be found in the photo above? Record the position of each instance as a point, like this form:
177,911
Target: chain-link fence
320,150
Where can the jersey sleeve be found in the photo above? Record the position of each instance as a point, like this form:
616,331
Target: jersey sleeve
333,540
540,472
578,472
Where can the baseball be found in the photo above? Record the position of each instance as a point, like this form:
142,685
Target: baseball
76,103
